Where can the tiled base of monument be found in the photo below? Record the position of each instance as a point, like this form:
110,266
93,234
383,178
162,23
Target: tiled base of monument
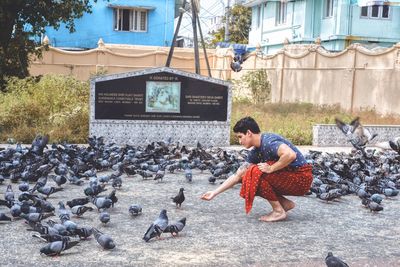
142,132
330,135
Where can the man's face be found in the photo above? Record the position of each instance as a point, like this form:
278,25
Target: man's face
245,139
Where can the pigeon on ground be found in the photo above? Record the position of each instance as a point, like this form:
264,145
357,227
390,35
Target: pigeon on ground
104,217
80,210
212,179
104,240
36,217
102,202
395,144
188,175
377,198
332,261
63,213
159,175
371,205
59,179
4,218
51,238
38,144
47,190
176,227
117,182
113,197
179,198
9,194
157,227
23,187
77,201
84,232
135,209
55,248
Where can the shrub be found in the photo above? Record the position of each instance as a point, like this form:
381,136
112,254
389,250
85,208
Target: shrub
53,104
257,83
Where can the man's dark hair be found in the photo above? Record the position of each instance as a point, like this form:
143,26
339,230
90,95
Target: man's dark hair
246,123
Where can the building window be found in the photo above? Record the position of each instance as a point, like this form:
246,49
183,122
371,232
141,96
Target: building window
281,13
375,12
258,16
134,20
328,8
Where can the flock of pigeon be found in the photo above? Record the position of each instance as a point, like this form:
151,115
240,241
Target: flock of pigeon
372,175
96,168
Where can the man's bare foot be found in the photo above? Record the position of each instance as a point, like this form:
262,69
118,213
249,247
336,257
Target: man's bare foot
273,216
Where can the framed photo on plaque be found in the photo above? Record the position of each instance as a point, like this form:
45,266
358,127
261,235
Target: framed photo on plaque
163,97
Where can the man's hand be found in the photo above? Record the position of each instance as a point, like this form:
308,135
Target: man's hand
265,167
208,195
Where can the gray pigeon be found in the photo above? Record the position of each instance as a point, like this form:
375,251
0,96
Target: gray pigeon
135,209
188,175
102,202
4,218
63,213
159,175
348,129
36,217
332,261
9,194
176,227
357,134
23,187
55,248
157,227
104,217
104,240
84,232
79,210
361,137
395,144
48,190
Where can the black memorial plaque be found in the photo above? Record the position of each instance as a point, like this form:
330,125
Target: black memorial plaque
160,96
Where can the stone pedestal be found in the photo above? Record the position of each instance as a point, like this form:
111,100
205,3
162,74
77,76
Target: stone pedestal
160,103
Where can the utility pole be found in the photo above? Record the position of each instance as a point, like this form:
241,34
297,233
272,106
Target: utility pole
196,44
195,23
227,13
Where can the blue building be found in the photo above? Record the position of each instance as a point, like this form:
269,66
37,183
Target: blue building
338,23
135,22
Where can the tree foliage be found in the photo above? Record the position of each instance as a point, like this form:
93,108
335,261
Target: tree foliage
21,21
239,26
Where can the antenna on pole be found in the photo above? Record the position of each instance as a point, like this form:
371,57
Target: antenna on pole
195,6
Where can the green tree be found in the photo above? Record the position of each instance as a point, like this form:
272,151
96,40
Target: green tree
239,26
21,21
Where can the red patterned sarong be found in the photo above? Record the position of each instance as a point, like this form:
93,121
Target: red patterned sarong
289,181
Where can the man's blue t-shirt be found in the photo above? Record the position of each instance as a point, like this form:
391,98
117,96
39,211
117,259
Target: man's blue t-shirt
269,150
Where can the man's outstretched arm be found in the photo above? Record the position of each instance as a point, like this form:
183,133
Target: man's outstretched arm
228,183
